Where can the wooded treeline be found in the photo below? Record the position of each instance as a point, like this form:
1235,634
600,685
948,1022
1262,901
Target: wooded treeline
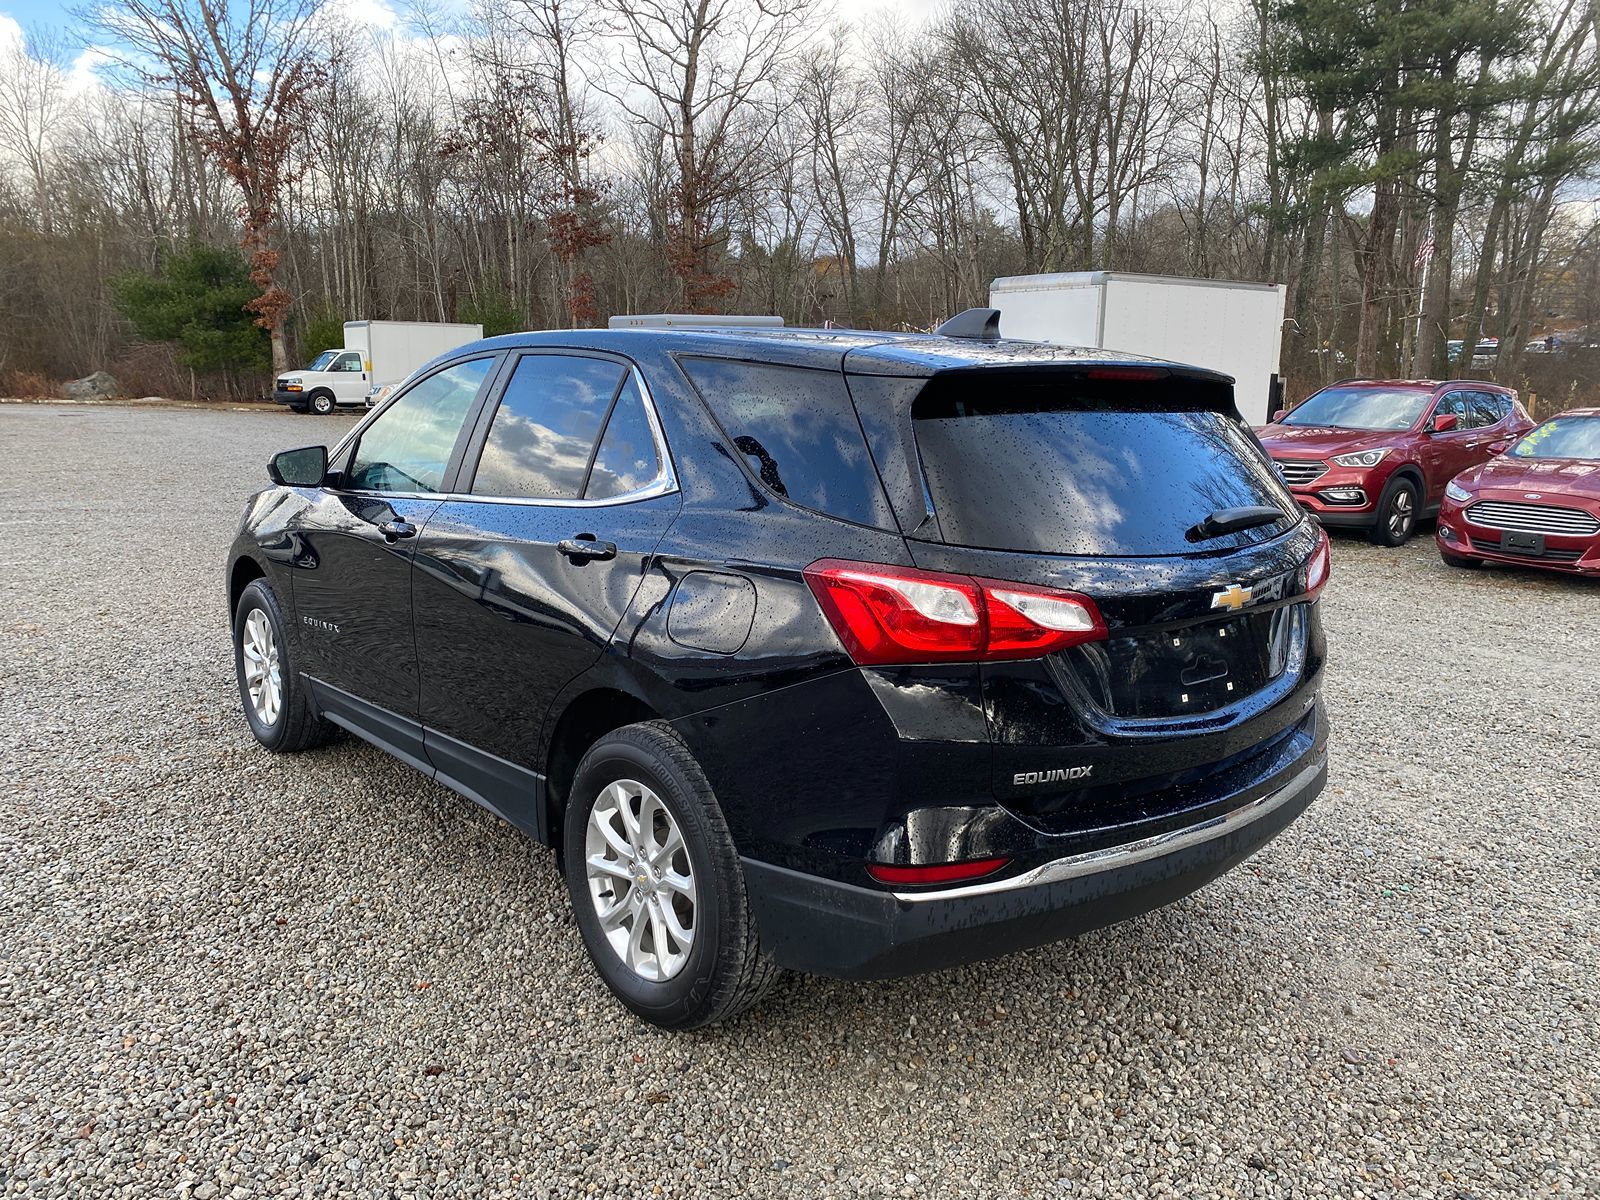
551,162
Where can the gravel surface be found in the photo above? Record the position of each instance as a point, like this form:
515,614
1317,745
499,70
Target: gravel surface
226,974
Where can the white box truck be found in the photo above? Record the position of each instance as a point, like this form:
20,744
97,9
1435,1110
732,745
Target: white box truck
376,356
1235,328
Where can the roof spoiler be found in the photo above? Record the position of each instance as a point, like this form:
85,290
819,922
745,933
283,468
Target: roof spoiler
975,324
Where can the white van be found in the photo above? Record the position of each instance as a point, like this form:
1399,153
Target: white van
376,355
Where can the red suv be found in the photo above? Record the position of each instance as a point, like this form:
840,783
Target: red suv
1375,454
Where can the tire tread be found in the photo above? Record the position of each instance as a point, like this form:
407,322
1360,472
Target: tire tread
744,973
300,725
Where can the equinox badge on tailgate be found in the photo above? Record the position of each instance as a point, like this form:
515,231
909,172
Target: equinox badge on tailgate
1059,775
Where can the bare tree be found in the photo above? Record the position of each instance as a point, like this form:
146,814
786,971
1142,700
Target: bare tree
696,69
32,105
245,74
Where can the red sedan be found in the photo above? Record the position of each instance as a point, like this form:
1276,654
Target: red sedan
1538,504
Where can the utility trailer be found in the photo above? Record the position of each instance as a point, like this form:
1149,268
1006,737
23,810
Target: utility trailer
1235,328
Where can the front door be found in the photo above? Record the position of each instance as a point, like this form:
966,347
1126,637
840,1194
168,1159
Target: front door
1446,455
350,384
520,586
352,585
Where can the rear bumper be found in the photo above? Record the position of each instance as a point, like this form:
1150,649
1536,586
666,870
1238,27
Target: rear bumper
826,927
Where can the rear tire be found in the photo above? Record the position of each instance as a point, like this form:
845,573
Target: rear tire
656,884
276,705
322,403
1397,513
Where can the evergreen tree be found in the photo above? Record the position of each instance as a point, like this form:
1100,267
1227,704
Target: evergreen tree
198,302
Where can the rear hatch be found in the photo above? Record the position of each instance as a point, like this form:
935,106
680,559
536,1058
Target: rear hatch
1099,479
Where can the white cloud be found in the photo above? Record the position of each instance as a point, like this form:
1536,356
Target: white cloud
10,34
371,14
81,75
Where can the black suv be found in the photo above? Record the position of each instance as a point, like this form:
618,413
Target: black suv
855,653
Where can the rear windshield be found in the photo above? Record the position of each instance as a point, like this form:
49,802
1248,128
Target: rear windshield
1067,467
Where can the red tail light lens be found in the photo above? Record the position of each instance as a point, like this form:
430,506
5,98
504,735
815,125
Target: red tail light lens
1317,566
937,873
887,614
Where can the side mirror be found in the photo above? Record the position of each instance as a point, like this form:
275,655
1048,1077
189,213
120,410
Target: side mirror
1444,422
306,467
1279,415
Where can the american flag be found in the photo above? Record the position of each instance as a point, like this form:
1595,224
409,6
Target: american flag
1424,251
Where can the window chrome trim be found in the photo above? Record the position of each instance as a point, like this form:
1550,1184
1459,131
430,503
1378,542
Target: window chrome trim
664,483
1115,858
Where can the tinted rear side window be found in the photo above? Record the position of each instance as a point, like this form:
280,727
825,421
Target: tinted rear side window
797,430
1055,467
626,460
545,428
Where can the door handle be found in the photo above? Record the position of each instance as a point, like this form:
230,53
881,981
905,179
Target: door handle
584,548
396,529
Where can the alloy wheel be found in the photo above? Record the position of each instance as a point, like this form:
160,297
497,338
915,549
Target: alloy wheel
1402,512
262,673
640,880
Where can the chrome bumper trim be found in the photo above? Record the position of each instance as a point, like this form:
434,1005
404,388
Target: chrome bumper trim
1114,858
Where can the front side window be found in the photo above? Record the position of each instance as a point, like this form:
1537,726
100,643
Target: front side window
1361,408
1455,404
544,431
407,448
348,362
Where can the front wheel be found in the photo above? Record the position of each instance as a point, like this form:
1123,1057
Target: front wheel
1397,513
275,702
322,403
656,884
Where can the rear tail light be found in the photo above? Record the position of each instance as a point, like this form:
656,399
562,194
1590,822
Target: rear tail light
1317,565
887,614
956,872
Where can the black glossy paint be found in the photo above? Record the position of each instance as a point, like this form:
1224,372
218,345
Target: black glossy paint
486,652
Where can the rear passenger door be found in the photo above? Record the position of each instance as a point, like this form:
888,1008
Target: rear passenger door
1494,413
523,576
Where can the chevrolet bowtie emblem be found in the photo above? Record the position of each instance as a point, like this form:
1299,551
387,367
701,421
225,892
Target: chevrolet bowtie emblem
1233,596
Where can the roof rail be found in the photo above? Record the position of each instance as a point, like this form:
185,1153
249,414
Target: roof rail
693,321
976,324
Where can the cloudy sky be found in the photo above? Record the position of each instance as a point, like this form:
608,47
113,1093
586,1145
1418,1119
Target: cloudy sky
18,17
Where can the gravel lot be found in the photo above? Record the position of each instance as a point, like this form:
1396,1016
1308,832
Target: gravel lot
224,974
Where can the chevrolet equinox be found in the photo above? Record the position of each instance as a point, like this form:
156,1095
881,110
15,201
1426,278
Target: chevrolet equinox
853,653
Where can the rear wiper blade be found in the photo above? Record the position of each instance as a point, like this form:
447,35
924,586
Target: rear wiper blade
1231,520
